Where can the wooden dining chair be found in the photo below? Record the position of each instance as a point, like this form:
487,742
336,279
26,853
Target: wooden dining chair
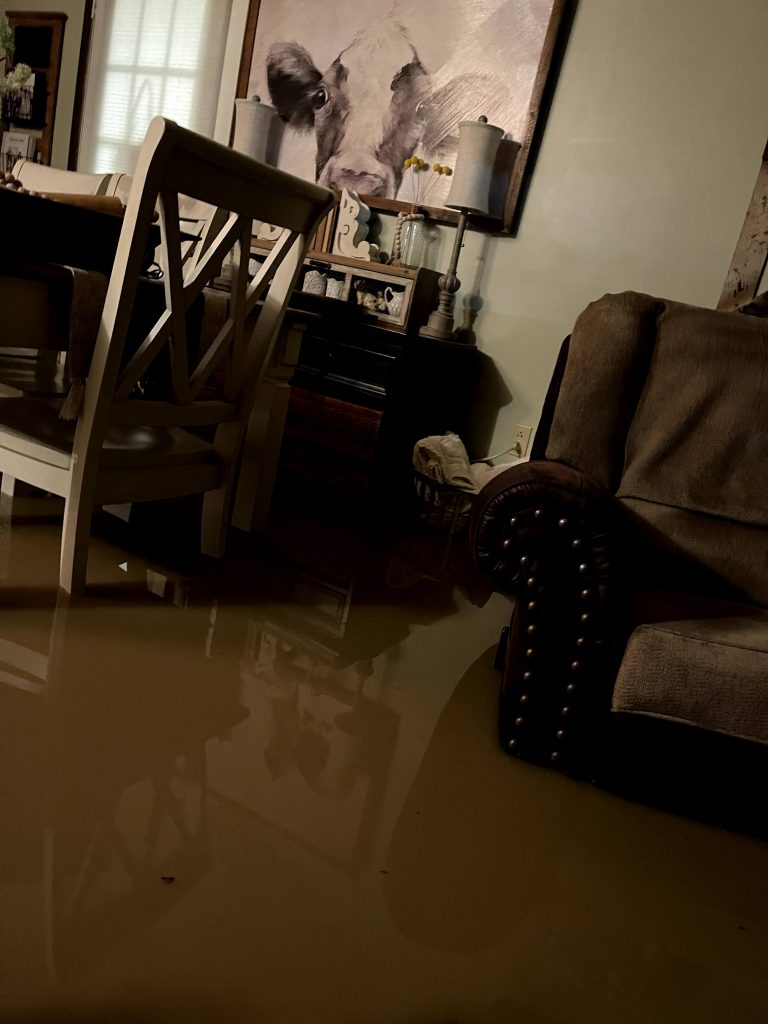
122,448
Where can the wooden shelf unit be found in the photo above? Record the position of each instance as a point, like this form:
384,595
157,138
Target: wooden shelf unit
417,285
39,43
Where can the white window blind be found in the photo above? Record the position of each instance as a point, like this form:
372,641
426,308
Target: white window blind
150,57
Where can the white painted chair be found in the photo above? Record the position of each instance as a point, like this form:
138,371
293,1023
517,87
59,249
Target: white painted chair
122,449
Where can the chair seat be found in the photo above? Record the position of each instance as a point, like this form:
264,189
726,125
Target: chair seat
709,672
25,420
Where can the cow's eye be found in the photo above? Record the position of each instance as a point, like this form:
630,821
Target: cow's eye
319,99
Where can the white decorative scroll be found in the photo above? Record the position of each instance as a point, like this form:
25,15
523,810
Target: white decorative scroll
352,228
269,232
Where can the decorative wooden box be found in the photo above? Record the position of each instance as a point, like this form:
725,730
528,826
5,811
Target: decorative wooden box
398,298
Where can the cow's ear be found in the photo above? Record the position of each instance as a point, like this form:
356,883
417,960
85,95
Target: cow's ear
292,79
414,69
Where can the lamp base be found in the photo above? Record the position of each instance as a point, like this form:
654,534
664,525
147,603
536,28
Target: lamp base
439,325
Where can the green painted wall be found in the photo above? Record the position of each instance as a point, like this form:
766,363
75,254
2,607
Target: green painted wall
647,164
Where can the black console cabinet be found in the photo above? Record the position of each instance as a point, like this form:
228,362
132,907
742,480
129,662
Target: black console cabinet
362,395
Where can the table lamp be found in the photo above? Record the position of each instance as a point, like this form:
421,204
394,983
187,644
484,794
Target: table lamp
478,146
254,121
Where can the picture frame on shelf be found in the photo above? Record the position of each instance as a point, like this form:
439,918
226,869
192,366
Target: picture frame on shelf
15,146
360,87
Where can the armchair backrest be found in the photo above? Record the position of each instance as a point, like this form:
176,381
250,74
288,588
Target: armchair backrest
609,354
666,406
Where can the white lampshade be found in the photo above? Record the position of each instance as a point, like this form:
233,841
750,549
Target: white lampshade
478,145
253,121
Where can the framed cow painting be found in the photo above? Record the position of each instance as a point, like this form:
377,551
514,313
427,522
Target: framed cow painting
360,85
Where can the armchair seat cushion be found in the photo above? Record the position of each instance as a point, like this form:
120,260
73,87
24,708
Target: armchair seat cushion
708,672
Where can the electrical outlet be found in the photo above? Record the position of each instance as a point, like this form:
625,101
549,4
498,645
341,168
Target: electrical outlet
522,438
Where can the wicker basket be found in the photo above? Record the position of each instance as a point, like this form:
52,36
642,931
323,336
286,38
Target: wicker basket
441,506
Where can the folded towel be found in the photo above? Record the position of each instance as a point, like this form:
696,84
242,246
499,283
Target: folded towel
443,458
481,472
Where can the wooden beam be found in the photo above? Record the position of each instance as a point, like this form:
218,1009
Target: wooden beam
751,253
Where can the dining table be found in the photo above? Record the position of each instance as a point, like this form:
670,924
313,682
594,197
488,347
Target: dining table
73,231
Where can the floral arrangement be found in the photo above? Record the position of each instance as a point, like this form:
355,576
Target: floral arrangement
7,38
421,188
13,80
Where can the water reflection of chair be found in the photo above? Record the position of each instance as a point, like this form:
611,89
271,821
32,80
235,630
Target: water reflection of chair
118,797
125,450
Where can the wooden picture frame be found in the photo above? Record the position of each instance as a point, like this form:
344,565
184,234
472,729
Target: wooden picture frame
515,160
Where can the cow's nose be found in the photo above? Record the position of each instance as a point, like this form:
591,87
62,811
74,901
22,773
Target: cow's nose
370,183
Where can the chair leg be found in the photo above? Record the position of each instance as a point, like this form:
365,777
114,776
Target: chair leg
75,537
7,487
213,529
217,504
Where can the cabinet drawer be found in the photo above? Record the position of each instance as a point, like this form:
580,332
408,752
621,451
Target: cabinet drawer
336,428
355,365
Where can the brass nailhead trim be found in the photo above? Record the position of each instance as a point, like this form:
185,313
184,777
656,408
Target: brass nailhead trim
555,755
560,734
570,687
519,722
527,676
562,522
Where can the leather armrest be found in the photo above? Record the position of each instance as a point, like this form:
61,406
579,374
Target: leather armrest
545,533
543,499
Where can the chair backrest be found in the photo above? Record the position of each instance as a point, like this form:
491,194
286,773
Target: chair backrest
175,162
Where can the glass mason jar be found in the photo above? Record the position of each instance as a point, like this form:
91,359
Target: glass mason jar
413,240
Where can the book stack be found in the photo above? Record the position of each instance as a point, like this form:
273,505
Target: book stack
15,146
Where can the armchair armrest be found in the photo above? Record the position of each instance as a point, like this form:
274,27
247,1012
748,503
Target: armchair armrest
545,533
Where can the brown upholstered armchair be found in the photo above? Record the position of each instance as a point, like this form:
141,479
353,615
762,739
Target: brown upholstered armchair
636,539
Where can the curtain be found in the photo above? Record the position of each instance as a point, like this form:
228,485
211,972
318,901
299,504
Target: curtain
150,57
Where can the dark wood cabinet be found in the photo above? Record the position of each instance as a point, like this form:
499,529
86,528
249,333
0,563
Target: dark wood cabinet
362,395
